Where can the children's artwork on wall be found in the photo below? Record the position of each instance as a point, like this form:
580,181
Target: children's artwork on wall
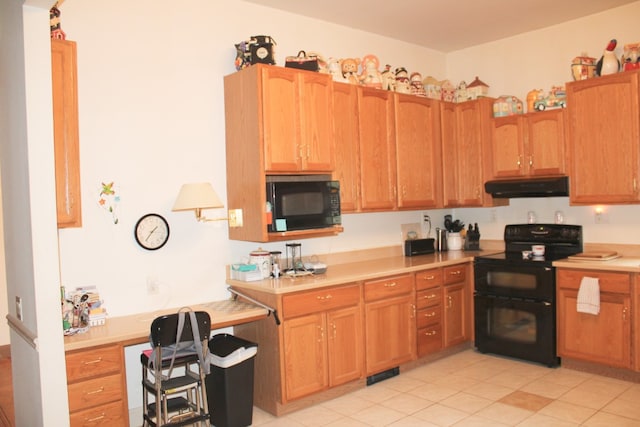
109,200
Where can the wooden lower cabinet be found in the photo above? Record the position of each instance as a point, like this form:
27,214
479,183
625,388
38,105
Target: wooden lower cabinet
97,388
322,349
457,308
604,338
390,326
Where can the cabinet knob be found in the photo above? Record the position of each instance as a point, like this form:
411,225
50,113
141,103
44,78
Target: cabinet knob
431,333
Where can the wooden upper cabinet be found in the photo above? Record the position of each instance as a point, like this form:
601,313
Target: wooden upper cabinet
604,139
66,138
465,143
529,145
347,145
377,149
297,121
418,152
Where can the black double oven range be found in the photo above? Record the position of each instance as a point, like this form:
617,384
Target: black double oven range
515,297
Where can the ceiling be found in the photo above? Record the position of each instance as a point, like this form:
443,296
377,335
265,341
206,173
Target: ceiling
445,25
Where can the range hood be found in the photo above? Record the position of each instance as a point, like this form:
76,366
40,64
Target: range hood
528,187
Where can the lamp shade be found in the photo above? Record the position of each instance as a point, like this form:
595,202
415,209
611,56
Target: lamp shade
197,196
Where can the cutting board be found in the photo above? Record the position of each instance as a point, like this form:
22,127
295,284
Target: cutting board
595,256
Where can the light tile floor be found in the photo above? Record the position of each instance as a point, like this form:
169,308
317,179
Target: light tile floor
470,389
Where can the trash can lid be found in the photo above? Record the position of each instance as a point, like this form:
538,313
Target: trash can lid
238,356
225,350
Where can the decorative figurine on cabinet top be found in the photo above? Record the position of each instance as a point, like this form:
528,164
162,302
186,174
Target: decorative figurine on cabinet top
417,88
448,91
461,92
388,78
432,87
532,96
507,105
608,62
556,98
349,67
370,75
477,89
402,80
583,67
631,57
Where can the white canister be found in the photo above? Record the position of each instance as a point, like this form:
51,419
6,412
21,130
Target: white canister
262,259
454,241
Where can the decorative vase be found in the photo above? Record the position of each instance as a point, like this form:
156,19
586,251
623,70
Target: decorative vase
454,241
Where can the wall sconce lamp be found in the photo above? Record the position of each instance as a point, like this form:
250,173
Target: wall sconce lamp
197,197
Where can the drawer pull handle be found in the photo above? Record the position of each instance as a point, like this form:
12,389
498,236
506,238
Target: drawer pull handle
325,297
390,284
99,417
455,273
430,296
91,362
100,390
428,277
431,333
433,313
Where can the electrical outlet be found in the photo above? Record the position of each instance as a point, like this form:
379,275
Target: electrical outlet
19,308
235,217
153,286
425,224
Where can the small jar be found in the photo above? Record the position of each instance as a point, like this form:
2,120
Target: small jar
454,241
531,217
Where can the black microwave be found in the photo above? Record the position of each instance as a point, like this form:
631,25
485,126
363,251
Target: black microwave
302,202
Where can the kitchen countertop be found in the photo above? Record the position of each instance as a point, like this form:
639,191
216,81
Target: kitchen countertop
134,329
622,264
360,270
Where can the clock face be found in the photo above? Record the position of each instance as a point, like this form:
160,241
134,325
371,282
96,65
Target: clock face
152,231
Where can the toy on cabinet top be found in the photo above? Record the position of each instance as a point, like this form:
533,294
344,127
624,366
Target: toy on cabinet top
507,105
556,98
388,78
334,69
417,88
349,67
54,22
631,57
402,80
370,75
583,67
608,62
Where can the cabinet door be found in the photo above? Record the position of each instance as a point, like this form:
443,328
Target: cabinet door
605,338
417,124
604,138
390,333
377,150
316,122
65,133
347,139
456,314
345,345
305,349
507,145
545,143
281,120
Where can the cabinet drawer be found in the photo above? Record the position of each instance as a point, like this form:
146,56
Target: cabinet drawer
111,415
455,274
428,279
429,339
320,300
90,363
85,394
428,297
608,281
388,287
428,316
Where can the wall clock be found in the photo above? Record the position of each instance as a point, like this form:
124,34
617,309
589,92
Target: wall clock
151,231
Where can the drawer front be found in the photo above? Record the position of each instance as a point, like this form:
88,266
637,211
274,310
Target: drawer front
608,281
109,415
389,287
428,279
95,362
428,297
429,340
85,394
455,274
428,316
320,300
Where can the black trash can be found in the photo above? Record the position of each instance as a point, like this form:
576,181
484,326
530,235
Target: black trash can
230,382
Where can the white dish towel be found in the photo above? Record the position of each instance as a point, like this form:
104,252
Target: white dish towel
589,296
